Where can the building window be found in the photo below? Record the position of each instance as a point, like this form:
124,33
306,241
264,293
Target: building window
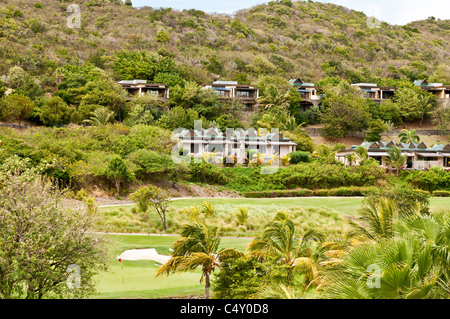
218,148
221,93
243,94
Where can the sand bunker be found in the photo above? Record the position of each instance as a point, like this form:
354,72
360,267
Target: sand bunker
143,254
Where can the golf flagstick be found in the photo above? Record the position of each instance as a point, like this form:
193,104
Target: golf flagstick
121,267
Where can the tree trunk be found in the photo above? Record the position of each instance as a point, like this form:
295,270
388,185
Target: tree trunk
117,184
164,222
207,285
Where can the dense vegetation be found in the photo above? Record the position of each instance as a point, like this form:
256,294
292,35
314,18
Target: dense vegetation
288,38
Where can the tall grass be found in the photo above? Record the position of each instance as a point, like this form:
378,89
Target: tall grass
230,218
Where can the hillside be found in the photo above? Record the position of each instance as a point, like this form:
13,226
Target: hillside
289,39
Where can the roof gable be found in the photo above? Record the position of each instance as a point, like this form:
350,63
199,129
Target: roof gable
422,145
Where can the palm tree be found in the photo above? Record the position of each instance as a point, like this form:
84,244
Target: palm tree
325,151
396,159
362,153
435,230
279,240
282,120
197,247
375,220
274,97
408,137
100,116
397,268
351,158
426,103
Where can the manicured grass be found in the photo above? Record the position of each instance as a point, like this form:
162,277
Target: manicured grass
440,203
138,276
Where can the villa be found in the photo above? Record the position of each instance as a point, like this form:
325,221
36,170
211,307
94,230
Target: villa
420,156
246,94
141,88
234,142
442,92
375,92
310,93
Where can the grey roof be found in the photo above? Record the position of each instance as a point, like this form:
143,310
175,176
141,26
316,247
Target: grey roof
418,147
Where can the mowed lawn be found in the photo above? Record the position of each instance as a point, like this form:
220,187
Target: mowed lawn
138,276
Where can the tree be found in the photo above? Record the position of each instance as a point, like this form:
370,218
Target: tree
408,137
131,65
16,107
326,152
376,127
362,153
22,82
408,100
279,240
344,114
375,220
117,172
193,96
239,278
56,112
105,92
398,268
128,3
178,117
441,117
426,103
389,111
101,116
351,158
48,250
197,247
152,196
396,159
274,97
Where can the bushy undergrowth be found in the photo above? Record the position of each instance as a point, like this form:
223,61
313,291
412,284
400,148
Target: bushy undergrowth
339,192
313,175
434,179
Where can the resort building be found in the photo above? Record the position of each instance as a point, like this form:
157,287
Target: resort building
420,156
246,94
441,91
141,87
310,93
234,142
375,92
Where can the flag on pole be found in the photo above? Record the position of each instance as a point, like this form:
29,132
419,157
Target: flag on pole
121,267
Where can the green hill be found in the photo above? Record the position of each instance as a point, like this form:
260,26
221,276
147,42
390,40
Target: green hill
310,40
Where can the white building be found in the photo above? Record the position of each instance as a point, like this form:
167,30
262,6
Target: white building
234,142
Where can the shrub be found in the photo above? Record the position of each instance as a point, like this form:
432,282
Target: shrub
230,160
299,157
207,173
321,192
406,198
279,193
350,191
434,179
441,193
